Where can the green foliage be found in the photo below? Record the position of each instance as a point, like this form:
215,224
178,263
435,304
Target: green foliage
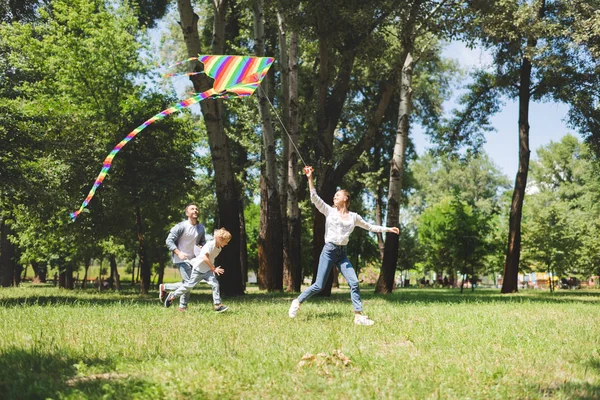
476,180
79,66
560,216
452,237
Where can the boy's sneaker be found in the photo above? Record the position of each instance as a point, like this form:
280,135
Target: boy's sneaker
162,293
220,308
360,319
169,300
294,308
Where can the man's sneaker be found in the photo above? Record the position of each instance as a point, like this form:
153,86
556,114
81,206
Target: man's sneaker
182,309
360,319
169,300
220,308
294,308
162,293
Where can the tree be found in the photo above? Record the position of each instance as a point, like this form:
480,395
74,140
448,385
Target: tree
270,243
420,21
562,213
452,235
232,282
532,43
85,83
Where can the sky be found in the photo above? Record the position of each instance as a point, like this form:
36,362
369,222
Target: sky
547,121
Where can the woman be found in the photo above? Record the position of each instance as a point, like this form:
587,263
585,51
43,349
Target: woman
339,224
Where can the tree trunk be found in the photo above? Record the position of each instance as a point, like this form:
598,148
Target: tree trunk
385,282
270,243
161,271
133,270
285,152
379,202
144,264
86,268
40,272
7,256
115,278
65,279
232,283
243,242
513,254
294,257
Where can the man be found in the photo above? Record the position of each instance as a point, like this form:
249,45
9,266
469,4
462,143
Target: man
181,241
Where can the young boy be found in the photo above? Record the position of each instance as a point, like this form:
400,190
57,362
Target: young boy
203,269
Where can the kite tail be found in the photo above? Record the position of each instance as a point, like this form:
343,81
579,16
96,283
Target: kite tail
108,160
182,62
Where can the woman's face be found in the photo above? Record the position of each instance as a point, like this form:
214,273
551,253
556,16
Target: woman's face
340,199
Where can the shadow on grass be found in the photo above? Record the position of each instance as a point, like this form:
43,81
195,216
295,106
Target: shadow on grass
39,374
436,296
201,295
578,390
483,296
65,297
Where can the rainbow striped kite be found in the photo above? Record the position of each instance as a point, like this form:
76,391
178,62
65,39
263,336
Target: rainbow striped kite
235,76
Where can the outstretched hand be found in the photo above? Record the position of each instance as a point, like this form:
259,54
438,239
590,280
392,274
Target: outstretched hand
395,230
219,271
308,170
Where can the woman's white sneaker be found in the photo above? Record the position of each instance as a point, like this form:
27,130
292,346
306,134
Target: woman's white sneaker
294,308
360,319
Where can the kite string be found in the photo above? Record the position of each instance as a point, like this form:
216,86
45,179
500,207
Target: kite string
282,125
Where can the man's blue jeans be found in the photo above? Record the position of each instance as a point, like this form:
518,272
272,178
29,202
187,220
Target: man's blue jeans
186,272
334,254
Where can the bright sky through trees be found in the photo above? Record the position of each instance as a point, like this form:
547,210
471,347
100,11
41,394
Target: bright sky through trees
546,119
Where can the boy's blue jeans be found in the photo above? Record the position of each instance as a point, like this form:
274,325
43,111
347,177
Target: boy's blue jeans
185,269
334,254
197,276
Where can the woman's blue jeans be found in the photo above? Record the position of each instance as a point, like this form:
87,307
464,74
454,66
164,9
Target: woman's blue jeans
334,254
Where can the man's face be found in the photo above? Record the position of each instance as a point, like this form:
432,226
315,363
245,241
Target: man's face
192,212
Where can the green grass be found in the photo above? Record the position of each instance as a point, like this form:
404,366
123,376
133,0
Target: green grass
426,344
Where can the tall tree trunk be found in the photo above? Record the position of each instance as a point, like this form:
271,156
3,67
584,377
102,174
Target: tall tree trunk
379,202
285,152
510,282
7,256
115,278
161,271
144,264
385,282
232,283
270,243
65,279
294,257
40,272
86,268
243,242
133,270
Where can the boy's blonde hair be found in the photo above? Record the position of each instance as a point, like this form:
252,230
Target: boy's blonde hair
223,234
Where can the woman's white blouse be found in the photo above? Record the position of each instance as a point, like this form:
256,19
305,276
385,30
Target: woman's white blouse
338,229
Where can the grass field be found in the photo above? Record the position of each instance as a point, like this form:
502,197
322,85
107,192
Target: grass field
426,344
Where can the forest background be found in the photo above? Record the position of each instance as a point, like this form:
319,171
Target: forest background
353,84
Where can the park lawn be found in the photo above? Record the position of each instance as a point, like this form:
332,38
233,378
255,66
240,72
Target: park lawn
426,344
